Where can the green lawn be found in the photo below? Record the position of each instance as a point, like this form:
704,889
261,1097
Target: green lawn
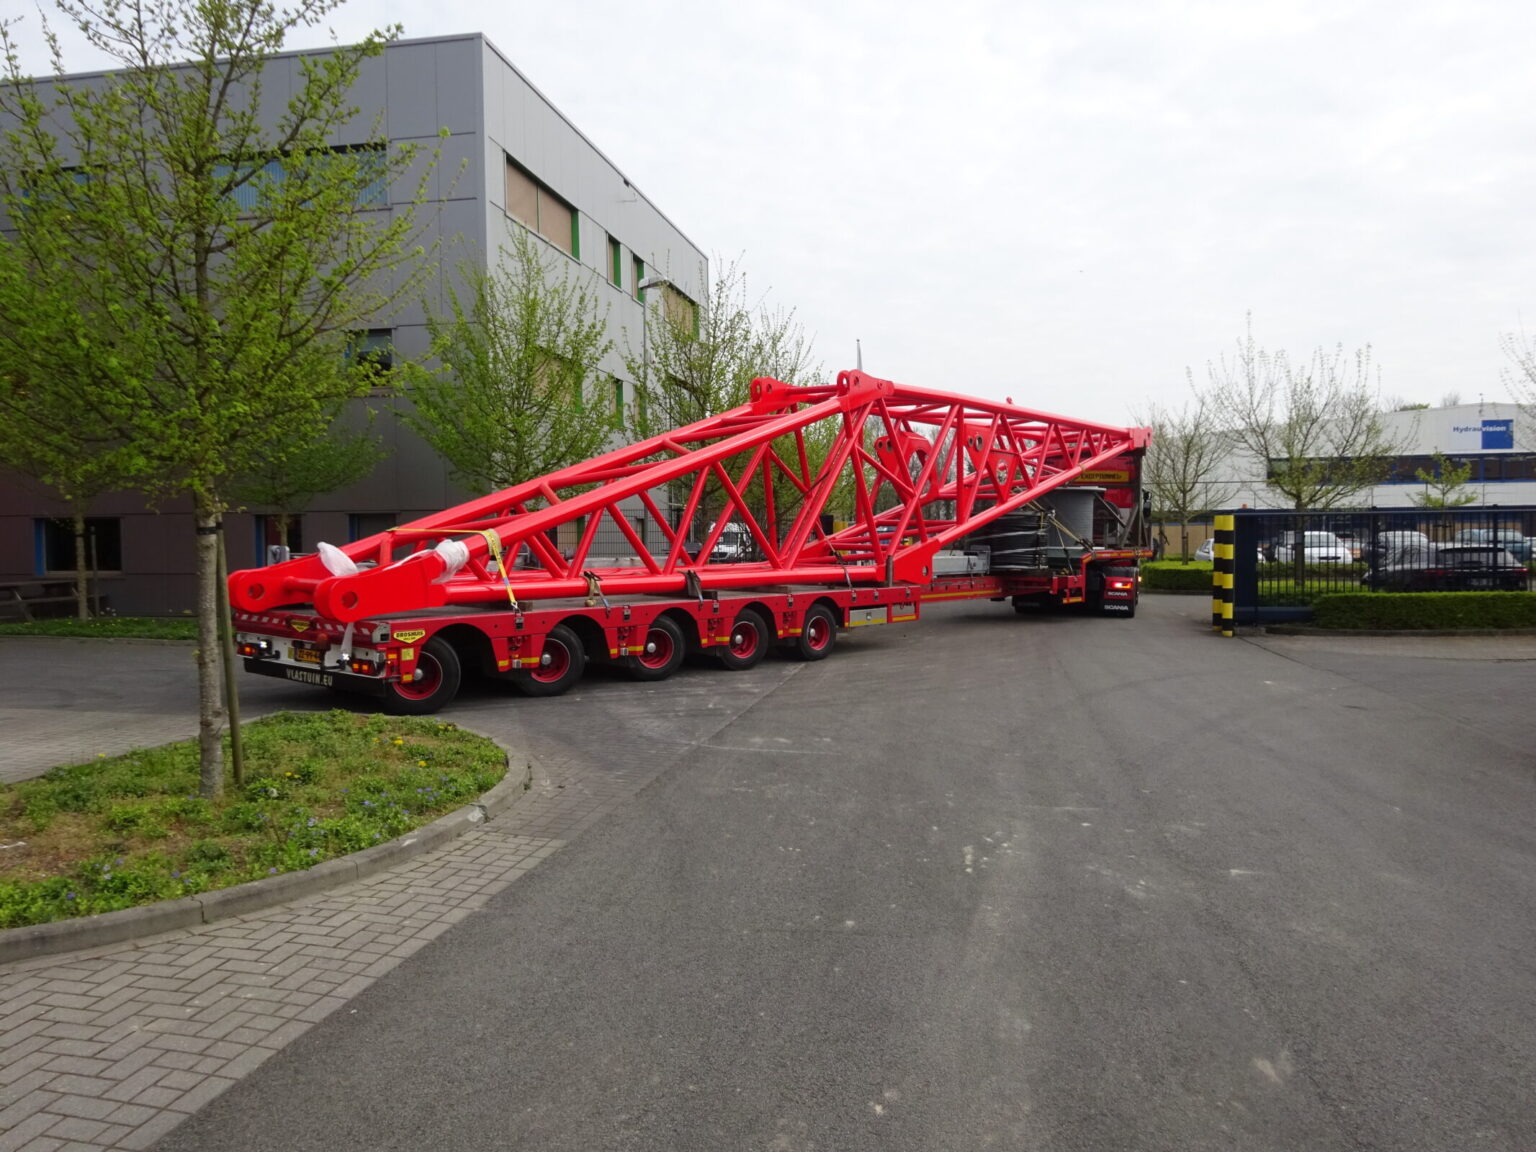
106,627
127,830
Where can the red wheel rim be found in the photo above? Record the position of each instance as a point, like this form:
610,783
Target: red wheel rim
559,662
817,632
744,638
428,678
658,653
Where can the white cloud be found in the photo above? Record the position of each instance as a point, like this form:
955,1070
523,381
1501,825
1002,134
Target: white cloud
1069,203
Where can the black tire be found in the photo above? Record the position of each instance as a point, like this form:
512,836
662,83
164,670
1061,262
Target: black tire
435,683
665,648
748,643
818,635
561,665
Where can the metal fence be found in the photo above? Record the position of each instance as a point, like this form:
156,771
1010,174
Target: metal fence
1284,560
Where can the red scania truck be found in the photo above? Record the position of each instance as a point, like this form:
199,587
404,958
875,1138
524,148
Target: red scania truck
947,497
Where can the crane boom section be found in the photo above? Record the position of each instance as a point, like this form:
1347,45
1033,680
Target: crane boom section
906,472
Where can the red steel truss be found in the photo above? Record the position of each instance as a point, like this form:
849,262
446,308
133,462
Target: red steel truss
924,468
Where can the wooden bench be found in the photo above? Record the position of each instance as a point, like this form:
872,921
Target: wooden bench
25,595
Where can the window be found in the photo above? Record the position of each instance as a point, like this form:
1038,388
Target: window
530,202
269,536
55,545
373,350
680,311
615,262
618,397
263,178
639,276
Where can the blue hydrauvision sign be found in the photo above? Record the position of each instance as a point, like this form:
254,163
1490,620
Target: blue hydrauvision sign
1498,434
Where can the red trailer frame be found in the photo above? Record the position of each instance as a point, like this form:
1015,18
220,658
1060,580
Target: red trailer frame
923,469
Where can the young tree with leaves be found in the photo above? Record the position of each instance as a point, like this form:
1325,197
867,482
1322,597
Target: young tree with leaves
1181,465
517,387
288,480
45,433
698,359
1443,484
1315,426
219,246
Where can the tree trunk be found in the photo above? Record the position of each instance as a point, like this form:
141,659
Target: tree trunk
227,662
210,688
1184,541
82,589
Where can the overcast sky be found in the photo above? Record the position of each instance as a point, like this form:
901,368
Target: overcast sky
1068,203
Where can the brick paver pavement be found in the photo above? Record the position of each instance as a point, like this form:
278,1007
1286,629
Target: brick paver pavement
110,1049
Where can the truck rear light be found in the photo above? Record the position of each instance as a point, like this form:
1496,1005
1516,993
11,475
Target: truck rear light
1122,585
255,649
363,667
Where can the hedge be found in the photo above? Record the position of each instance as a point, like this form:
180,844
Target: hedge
1171,576
1430,610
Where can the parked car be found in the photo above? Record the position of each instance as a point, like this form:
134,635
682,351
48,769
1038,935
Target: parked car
1450,568
1350,541
1385,545
1207,552
1509,539
1316,548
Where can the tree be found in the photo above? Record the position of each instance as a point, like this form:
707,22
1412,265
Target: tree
44,434
1521,351
515,393
1442,484
288,480
1188,448
699,358
218,245
1315,427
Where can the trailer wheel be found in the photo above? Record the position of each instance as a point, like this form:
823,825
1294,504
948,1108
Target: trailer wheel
561,665
818,635
435,683
664,650
748,643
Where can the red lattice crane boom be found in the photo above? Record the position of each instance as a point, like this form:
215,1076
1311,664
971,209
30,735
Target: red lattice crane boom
923,469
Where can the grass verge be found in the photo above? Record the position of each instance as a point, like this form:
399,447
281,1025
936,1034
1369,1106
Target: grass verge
106,627
128,830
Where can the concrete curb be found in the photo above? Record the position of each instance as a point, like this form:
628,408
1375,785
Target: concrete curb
35,940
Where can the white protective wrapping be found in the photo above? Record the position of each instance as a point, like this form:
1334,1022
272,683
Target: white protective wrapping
455,554
336,562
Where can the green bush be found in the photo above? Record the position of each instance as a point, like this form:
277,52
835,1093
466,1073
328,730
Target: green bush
1434,610
1172,576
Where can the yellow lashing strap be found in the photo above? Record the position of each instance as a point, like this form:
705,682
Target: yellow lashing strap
492,542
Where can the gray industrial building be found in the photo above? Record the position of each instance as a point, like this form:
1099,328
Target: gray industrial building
508,160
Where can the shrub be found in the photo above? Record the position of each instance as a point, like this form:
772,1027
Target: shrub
1433,610
1171,576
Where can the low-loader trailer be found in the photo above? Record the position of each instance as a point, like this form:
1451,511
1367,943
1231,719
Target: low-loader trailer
947,497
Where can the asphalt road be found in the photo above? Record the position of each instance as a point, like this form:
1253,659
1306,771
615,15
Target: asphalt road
985,882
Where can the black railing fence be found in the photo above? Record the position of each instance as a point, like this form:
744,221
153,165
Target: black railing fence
1284,560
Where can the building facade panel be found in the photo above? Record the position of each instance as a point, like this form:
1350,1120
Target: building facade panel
490,111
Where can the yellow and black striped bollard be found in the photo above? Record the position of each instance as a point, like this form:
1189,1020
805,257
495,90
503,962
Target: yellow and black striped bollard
1221,574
